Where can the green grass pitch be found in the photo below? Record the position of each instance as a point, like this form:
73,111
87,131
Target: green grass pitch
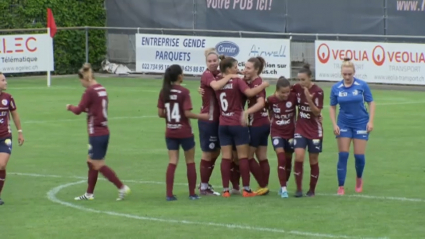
50,169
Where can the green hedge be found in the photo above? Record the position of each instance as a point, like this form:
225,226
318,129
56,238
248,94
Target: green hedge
69,45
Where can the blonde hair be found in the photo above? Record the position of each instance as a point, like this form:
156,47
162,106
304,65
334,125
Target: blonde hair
86,72
348,63
210,51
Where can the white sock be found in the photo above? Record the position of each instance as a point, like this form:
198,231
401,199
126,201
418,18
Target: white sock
284,189
204,186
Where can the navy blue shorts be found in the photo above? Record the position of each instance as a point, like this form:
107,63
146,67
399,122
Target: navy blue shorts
185,143
286,144
208,136
259,135
233,135
98,145
314,145
6,145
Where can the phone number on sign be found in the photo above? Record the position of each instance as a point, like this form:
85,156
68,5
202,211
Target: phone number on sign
162,67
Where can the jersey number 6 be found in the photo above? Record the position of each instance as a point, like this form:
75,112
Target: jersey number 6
223,101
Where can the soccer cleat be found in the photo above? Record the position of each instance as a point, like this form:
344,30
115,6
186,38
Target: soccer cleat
209,192
283,194
262,191
84,197
172,198
310,194
299,194
359,185
1,202
194,197
123,192
226,194
341,190
235,192
248,193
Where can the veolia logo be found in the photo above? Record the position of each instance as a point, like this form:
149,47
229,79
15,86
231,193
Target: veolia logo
227,48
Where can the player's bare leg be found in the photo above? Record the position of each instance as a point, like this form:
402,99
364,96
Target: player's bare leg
108,173
343,154
359,156
191,173
4,158
314,173
299,170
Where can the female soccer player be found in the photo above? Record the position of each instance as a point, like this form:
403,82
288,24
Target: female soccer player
95,103
259,125
8,107
308,129
175,105
208,129
232,129
282,109
354,122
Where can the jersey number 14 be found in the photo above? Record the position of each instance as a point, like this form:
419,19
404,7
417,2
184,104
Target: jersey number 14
173,112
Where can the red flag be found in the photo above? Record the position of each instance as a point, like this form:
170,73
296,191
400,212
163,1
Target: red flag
51,23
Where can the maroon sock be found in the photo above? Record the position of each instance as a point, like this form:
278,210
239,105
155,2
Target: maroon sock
288,166
235,176
281,170
169,179
191,178
211,168
92,178
205,171
255,169
298,172
265,168
2,179
314,176
111,176
244,168
226,166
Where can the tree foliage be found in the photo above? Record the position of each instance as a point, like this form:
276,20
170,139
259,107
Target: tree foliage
69,45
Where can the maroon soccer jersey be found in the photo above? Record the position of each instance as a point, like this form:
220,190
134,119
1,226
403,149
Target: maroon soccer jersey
261,117
283,116
7,104
209,102
177,124
308,125
230,99
95,103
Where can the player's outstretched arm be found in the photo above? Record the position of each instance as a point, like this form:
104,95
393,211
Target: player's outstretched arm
251,92
189,114
82,106
218,84
17,121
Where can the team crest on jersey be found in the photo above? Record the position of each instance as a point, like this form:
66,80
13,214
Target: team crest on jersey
8,142
288,104
4,102
275,141
355,92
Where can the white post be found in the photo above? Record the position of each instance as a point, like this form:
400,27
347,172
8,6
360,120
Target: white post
49,79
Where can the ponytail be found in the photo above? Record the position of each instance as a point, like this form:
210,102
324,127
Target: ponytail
171,75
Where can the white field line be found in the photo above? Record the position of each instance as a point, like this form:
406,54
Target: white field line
51,195
154,116
362,196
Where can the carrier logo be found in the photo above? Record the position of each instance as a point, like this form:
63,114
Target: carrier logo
323,53
227,48
378,55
